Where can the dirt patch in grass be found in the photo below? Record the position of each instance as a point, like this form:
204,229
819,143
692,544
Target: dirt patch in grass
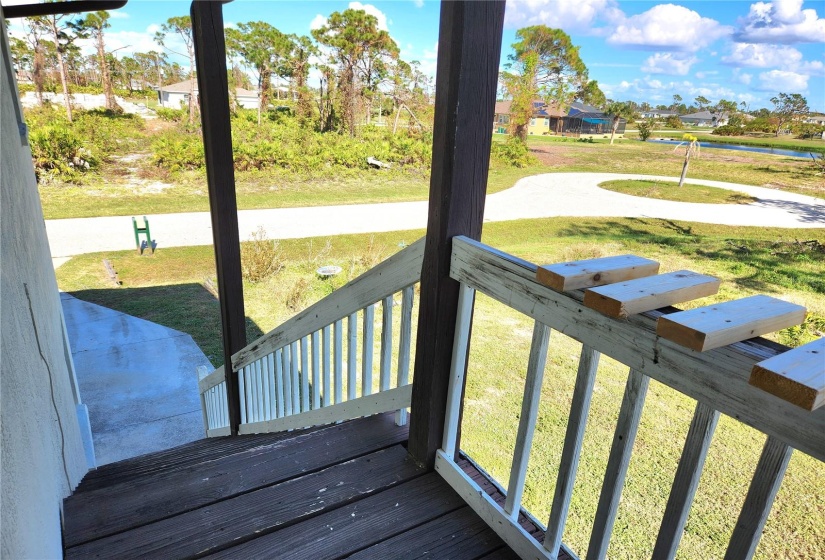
552,155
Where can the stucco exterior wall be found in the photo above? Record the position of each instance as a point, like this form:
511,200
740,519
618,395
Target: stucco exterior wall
42,453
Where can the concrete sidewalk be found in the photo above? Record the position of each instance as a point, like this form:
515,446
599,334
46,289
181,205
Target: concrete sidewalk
137,378
540,196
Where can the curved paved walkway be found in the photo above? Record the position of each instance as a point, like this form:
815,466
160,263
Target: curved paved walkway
538,196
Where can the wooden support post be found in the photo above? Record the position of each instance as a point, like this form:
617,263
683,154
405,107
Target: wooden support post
213,88
466,81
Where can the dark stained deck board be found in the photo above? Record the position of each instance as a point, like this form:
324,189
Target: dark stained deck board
505,553
460,535
230,522
180,457
349,529
99,513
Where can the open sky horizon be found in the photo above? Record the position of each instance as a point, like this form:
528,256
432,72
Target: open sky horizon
638,50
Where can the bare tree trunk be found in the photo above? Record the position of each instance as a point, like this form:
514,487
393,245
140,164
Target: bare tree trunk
108,92
191,84
397,114
62,66
37,73
613,130
685,168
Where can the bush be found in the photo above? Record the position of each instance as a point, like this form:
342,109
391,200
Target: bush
513,153
727,130
260,257
673,121
176,151
57,150
174,115
645,129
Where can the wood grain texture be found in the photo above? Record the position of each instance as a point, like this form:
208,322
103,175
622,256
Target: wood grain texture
213,87
717,325
353,527
394,274
575,275
797,376
686,481
718,378
469,51
236,520
99,513
653,292
770,470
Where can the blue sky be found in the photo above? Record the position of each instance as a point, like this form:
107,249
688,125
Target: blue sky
641,50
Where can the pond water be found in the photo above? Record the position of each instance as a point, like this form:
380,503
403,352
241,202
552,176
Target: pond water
741,148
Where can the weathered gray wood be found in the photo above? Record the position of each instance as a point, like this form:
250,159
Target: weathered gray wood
396,273
576,275
352,356
763,488
571,452
384,401
493,514
797,376
296,382
286,369
316,370
339,361
305,373
326,396
469,54
686,481
718,378
712,326
458,369
653,292
404,346
527,420
617,463
280,400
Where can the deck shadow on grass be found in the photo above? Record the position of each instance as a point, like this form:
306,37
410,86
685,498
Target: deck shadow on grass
188,308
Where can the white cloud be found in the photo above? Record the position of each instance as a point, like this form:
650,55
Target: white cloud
677,64
117,14
762,56
577,15
741,77
780,21
418,3
667,27
318,22
373,11
705,74
782,80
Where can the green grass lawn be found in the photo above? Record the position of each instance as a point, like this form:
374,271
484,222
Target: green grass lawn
762,140
168,287
672,191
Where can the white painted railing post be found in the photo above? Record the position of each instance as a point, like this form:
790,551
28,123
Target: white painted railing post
386,344
404,345
626,427
326,399
352,357
527,421
367,350
338,329
571,452
466,296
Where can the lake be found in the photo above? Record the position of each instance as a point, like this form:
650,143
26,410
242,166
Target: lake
741,148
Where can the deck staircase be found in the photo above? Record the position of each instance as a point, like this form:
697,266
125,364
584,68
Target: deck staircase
341,491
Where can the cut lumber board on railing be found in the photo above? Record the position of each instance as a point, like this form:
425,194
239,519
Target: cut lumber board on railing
653,292
796,376
721,324
576,275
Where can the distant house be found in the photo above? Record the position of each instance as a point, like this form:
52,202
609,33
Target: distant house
814,119
586,120
539,122
705,118
175,96
657,114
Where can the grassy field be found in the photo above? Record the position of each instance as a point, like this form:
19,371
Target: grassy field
131,186
748,260
672,191
760,140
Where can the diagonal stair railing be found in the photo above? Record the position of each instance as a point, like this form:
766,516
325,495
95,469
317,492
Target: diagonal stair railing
324,364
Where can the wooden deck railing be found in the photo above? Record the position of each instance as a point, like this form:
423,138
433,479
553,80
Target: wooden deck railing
718,379
299,374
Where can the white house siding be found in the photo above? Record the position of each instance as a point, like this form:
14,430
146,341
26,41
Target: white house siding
42,453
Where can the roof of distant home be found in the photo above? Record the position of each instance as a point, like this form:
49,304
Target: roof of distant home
705,115
540,109
184,87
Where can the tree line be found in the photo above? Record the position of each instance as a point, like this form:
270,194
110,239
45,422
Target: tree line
362,73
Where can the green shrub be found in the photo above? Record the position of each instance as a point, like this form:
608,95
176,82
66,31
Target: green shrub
174,115
727,130
260,257
177,151
513,153
673,121
58,151
645,129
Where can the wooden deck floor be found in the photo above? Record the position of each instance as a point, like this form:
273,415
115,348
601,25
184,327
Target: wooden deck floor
342,491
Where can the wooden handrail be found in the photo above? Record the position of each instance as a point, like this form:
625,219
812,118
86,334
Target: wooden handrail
718,377
393,275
